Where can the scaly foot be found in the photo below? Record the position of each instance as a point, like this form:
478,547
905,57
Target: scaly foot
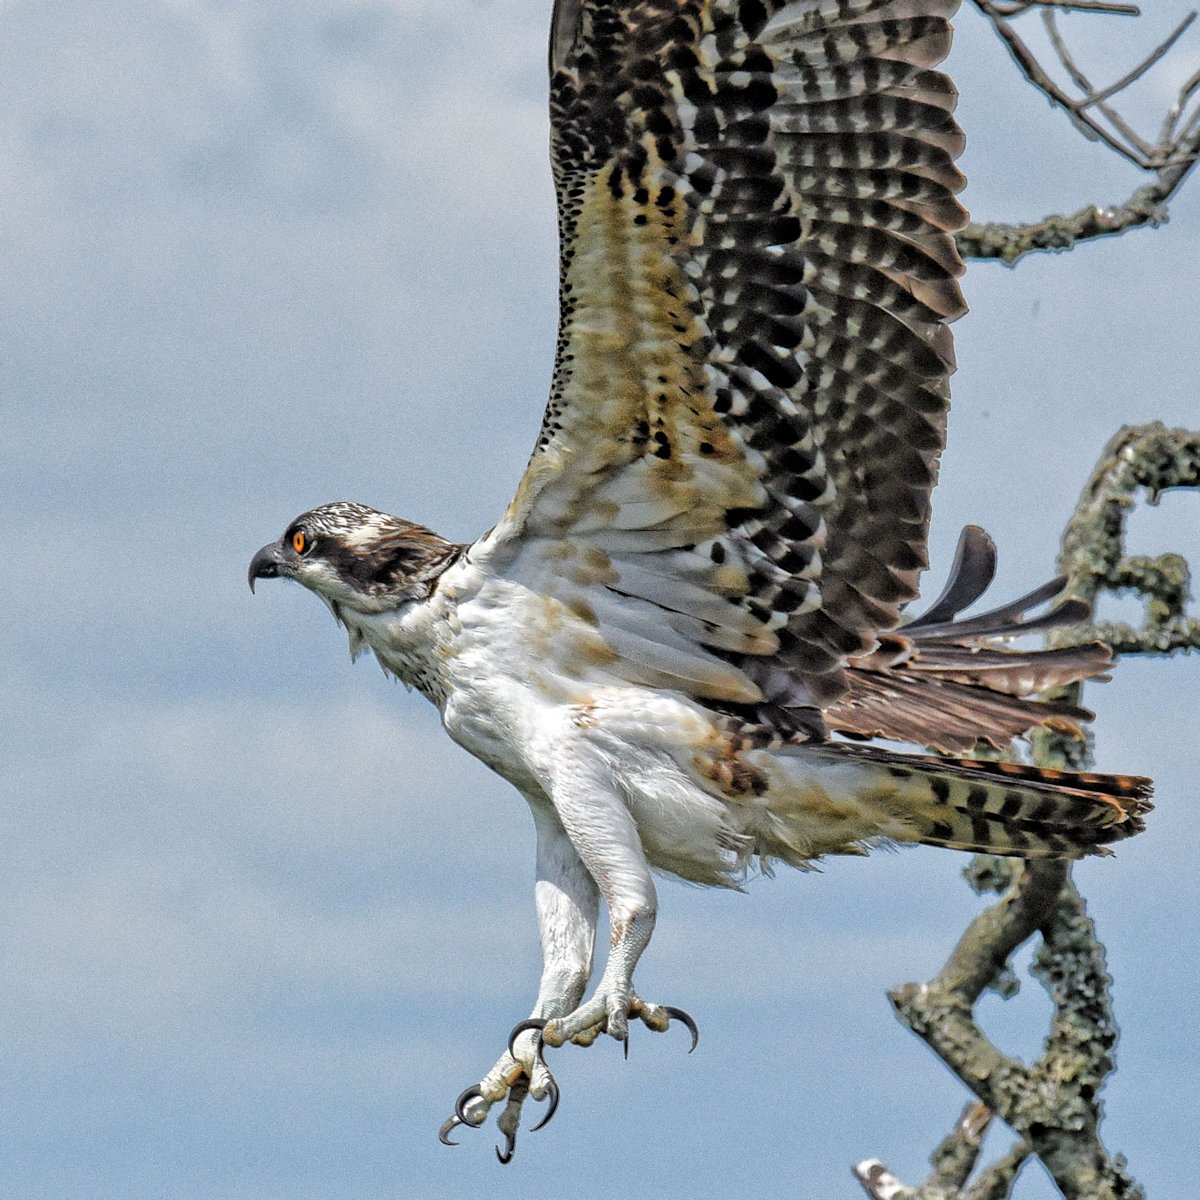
609,1012
521,1072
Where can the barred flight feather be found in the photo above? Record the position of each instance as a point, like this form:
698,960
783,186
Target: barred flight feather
950,683
1005,808
756,203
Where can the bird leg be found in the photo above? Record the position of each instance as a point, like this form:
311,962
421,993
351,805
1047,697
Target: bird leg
588,846
568,904
615,1001
597,819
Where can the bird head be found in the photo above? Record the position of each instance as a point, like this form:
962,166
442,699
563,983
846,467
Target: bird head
356,557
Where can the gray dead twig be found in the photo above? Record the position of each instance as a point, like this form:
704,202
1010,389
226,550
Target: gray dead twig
1169,157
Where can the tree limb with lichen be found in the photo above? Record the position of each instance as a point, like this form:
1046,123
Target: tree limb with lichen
1053,1105
1169,156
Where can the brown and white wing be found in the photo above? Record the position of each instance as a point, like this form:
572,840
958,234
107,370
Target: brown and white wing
756,208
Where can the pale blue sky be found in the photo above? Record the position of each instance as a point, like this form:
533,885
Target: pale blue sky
263,921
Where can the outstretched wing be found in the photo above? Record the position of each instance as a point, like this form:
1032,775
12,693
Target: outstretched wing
756,203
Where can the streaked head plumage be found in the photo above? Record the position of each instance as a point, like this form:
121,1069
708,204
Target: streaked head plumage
356,556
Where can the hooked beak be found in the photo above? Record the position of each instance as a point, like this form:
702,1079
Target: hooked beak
265,564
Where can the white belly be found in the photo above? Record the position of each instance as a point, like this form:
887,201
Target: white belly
646,740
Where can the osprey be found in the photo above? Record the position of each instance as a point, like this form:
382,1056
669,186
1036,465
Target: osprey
696,600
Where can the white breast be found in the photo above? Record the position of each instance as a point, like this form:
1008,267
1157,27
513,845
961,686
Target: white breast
490,655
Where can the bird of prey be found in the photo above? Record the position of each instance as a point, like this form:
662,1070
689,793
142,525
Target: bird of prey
679,639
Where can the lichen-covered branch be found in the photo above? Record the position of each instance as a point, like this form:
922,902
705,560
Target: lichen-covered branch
1170,157
1053,1104
953,1161
1147,206
1149,459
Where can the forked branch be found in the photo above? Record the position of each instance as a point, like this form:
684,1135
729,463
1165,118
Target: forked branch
1169,156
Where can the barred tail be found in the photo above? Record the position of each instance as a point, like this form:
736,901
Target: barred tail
1007,808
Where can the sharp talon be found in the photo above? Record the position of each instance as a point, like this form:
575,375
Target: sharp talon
625,1047
679,1015
444,1132
460,1112
552,1093
521,1026
510,1145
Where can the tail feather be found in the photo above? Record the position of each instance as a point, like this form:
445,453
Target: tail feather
949,683
1005,808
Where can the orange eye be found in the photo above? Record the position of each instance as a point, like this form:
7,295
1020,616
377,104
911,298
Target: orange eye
299,541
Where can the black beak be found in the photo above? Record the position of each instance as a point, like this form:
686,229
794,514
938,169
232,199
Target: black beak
265,564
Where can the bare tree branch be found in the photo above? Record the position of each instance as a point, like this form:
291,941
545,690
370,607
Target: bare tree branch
1023,6
1017,7
1131,76
1170,157
1147,206
1054,1103
1170,130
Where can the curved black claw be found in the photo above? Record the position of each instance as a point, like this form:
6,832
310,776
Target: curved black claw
510,1146
538,1024
679,1015
460,1111
449,1124
552,1096
460,1116
520,1027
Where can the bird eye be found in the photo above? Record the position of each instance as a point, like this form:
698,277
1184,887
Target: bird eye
299,541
